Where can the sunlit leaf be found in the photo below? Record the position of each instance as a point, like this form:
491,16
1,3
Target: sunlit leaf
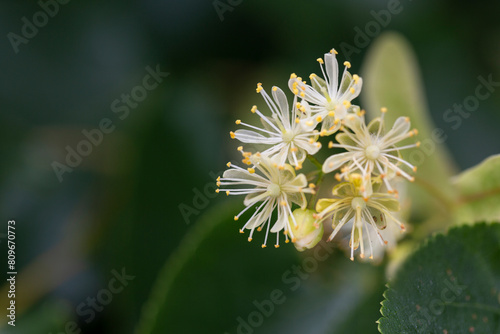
479,190
392,80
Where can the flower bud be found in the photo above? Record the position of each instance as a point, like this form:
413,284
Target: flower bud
307,232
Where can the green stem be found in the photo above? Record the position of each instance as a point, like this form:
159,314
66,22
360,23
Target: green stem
315,161
312,201
436,192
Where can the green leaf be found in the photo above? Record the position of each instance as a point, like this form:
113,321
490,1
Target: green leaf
392,79
450,285
213,282
214,277
479,191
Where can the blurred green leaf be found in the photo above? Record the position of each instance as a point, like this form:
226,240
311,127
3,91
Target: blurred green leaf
213,277
216,282
450,285
479,189
392,79
341,297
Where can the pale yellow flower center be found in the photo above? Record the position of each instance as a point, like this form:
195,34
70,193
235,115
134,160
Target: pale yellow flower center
358,202
372,152
287,136
274,190
331,106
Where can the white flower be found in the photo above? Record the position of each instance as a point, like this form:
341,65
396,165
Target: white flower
274,187
389,235
370,151
349,207
282,131
328,101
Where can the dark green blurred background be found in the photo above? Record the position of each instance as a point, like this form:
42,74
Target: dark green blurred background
120,208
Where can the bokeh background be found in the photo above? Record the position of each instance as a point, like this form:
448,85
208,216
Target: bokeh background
121,207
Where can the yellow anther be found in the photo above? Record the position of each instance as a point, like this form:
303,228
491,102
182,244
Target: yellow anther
283,203
238,121
299,166
320,60
259,229
294,149
217,190
355,77
281,167
240,148
352,90
407,119
311,141
297,120
276,246
312,185
322,133
414,168
228,164
259,88
298,105
415,131
227,192
295,91
286,241
263,246
254,109
383,109
417,144
294,239
347,64
232,134
293,76
241,231
303,109
275,88
346,103
251,170
338,177
330,144
249,239
333,51
236,217
309,123
331,113
319,119
312,76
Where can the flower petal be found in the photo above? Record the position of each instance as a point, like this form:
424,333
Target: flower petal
280,98
332,71
249,136
336,161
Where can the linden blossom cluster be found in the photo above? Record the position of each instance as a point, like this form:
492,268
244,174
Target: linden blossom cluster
364,201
